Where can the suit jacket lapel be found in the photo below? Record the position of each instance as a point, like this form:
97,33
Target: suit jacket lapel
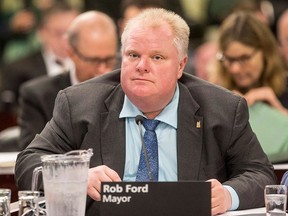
39,62
113,132
189,136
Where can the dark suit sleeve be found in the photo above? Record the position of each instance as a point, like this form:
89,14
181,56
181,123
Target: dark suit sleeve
248,167
52,140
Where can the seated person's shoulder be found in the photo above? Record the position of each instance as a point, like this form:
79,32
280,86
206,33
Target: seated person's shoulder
107,80
45,84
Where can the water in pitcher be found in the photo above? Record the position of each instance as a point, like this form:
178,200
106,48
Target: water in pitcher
65,178
72,194
65,186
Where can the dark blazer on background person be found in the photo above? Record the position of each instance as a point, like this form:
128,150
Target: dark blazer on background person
36,100
222,146
16,73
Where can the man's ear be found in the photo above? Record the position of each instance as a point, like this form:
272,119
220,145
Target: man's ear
181,66
67,46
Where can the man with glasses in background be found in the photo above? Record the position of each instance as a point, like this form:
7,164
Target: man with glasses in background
51,59
92,46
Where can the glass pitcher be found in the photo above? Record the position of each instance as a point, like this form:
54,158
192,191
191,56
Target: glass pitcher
65,179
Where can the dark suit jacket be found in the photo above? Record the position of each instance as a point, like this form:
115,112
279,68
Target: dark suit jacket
37,98
87,116
20,71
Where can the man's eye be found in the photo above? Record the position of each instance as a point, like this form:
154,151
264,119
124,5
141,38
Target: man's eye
157,57
133,55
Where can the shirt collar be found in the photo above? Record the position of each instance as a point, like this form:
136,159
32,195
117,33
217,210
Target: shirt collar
50,62
73,77
168,114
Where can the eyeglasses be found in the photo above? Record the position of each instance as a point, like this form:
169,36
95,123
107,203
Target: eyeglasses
108,61
241,60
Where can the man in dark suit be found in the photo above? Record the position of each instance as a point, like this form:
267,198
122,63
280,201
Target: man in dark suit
203,134
51,60
92,46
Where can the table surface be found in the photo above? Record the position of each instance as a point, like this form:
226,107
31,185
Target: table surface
251,212
243,212
7,163
7,159
254,212
281,166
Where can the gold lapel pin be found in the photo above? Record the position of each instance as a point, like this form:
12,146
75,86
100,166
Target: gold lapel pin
198,124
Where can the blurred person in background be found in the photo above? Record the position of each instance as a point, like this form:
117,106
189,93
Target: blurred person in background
203,58
92,46
18,21
17,29
262,9
282,33
18,26
115,8
50,60
250,62
131,8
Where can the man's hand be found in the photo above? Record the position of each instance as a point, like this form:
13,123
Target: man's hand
97,175
220,198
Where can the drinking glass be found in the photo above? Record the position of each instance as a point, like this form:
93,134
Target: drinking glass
28,203
5,197
275,200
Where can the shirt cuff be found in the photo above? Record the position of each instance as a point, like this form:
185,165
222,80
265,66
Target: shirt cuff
234,197
284,180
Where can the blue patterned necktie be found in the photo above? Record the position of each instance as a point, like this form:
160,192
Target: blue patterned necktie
150,140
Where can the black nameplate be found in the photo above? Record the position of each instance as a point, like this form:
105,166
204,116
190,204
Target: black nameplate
155,198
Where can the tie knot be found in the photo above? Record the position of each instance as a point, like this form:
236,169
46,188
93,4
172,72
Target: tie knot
150,124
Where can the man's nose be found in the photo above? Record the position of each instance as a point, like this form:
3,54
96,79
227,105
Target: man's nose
143,65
